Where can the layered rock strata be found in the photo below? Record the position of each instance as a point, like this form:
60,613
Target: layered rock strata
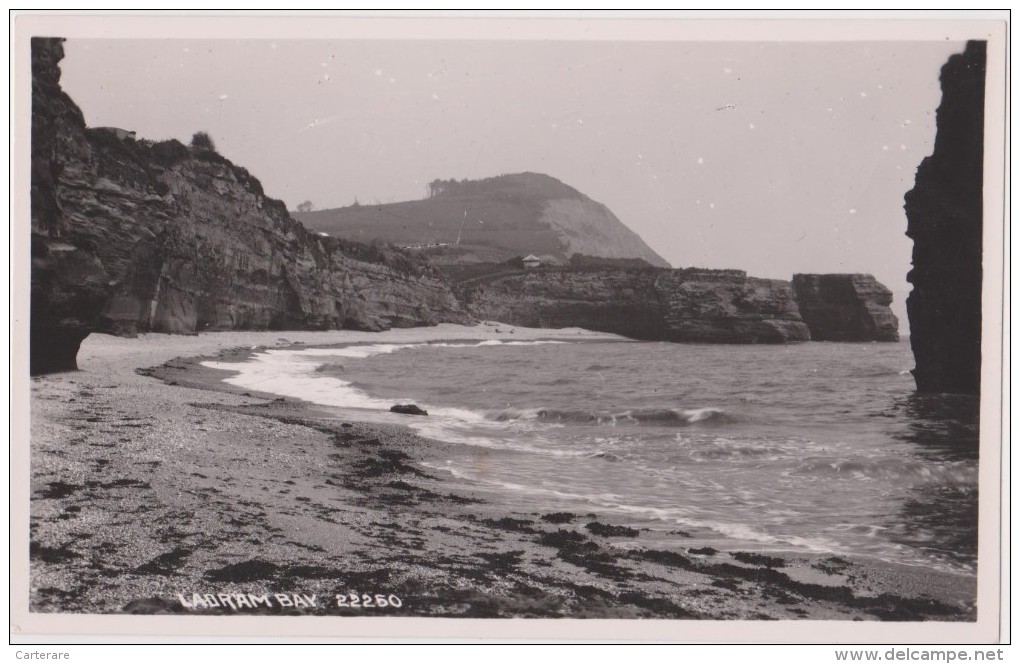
845,307
944,219
694,305
132,236
69,282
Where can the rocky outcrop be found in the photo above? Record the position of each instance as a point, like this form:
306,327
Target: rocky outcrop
617,301
944,219
69,282
845,307
490,221
727,306
711,306
132,236
407,409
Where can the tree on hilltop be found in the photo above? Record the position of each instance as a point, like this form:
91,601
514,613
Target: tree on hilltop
202,140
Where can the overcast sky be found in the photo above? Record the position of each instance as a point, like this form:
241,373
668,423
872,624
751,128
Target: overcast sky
774,158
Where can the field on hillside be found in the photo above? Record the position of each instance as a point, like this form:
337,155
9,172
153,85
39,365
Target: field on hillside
490,220
480,221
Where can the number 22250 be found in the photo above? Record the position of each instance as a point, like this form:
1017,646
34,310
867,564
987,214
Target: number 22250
366,601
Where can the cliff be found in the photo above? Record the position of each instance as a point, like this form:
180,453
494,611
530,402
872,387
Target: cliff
131,235
134,236
727,306
845,307
711,306
490,221
944,219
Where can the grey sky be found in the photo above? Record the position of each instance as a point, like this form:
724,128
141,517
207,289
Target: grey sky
770,157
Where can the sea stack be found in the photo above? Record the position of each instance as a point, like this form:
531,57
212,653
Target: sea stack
944,219
845,307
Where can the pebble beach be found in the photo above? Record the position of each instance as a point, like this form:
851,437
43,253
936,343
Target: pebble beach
158,489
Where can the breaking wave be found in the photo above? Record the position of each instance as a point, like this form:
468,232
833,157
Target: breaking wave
663,417
906,470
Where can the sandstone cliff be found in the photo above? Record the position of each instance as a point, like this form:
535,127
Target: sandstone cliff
618,301
490,221
69,283
944,219
712,306
132,235
845,307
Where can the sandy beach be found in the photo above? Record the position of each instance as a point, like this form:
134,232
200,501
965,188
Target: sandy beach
157,488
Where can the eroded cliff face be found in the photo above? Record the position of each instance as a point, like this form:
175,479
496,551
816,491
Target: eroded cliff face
197,246
944,219
69,282
617,301
727,306
711,306
134,236
845,307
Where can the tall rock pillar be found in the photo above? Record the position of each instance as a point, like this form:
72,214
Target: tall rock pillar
944,219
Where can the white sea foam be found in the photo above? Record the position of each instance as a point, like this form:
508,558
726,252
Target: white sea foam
277,373
469,428
678,516
292,373
685,518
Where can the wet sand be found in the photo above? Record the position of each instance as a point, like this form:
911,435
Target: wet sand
157,488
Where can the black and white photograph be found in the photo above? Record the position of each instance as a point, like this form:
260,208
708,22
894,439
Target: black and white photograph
692,325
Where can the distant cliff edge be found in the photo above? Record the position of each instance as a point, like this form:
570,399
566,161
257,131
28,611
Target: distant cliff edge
944,219
684,305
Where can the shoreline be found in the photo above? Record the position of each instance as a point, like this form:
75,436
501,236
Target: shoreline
150,487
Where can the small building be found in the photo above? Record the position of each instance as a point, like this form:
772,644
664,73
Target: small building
532,261
122,134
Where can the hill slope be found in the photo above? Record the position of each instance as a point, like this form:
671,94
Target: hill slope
494,219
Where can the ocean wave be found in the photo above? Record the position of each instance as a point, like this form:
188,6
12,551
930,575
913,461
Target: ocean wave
555,382
493,342
666,417
732,449
365,351
875,372
674,515
307,373
454,432
913,471
877,547
277,374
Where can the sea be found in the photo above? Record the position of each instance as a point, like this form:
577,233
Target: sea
813,448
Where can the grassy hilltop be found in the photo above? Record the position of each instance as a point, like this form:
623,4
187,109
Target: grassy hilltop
490,220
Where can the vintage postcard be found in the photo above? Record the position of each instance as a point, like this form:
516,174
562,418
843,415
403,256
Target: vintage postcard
619,327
